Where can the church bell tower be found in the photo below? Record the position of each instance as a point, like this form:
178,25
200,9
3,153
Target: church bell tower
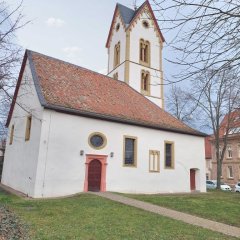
135,45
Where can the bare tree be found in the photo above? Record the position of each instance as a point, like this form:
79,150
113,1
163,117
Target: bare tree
206,44
217,95
180,104
206,34
10,56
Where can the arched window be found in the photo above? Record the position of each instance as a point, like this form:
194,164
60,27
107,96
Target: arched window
144,52
117,54
145,82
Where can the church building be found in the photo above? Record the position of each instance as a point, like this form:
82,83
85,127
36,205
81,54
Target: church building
74,130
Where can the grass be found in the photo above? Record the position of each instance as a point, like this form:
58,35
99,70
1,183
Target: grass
89,217
219,206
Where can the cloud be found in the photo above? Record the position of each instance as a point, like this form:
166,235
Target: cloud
55,22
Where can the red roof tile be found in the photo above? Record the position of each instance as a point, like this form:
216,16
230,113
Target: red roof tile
72,89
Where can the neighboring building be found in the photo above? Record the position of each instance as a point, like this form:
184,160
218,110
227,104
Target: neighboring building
208,157
231,161
85,131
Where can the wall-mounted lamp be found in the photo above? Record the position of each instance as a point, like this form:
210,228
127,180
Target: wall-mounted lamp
81,152
112,154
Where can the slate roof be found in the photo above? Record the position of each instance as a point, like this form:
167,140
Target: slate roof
71,89
128,15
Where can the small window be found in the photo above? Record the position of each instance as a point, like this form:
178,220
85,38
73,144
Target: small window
117,27
145,82
154,161
11,135
130,151
28,128
144,52
145,24
117,54
229,151
230,172
115,76
169,155
97,140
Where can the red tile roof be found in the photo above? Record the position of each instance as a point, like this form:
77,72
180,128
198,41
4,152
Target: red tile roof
75,90
233,119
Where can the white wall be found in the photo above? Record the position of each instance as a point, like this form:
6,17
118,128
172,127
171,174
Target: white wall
117,36
20,161
61,169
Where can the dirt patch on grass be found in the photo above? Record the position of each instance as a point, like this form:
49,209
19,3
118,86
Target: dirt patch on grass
11,228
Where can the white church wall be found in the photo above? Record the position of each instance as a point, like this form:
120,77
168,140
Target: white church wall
21,156
118,36
155,87
138,31
61,169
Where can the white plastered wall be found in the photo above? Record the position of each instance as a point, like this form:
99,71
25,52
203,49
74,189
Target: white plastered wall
20,163
61,169
137,32
118,36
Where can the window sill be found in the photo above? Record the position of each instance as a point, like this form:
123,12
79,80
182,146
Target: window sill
128,165
144,63
169,168
145,93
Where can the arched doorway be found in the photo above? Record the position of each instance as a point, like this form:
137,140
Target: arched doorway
94,175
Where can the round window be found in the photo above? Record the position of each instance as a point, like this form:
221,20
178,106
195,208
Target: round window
97,140
145,24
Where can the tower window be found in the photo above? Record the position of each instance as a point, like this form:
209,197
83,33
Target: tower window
115,76
11,135
144,52
117,27
145,82
117,54
145,24
28,128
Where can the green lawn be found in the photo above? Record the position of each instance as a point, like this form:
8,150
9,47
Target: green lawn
89,217
215,205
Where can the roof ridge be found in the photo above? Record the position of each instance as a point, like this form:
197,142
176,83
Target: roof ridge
73,64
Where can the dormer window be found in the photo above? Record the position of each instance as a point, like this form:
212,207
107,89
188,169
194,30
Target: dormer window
117,54
144,52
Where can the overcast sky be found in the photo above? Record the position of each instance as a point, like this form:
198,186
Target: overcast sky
72,30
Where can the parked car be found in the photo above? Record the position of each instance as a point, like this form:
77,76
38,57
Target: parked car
237,187
212,184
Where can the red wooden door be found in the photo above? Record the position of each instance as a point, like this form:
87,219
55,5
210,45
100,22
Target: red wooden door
192,179
94,175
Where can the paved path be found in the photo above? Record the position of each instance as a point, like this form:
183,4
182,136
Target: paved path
187,218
